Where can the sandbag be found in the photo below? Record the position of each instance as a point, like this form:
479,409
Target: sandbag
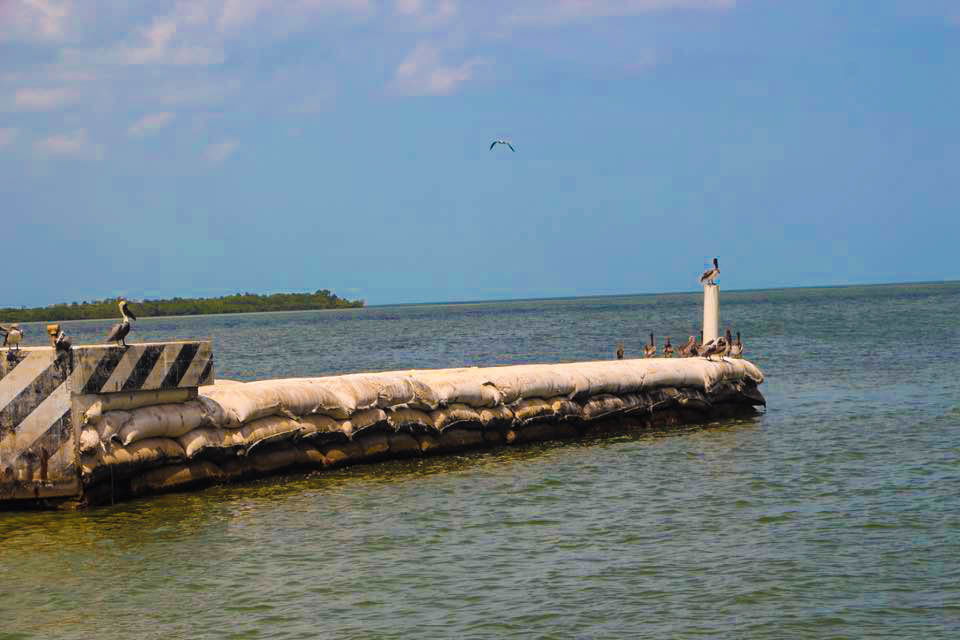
530,381
543,431
89,440
161,421
178,476
312,455
319,427
457,438
363,420
244,403
133,458
409,419
207,439
342,453
601,406
273,459
374,444
455,414
129,400
468,387
564,408
429,443
497,417
265,430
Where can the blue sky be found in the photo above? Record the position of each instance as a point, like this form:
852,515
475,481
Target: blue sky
206,147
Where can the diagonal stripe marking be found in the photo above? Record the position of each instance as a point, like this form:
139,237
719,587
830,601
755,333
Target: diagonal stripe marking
196,368
23,375
101,372
42,418
123,370
162,368
143,368
179,367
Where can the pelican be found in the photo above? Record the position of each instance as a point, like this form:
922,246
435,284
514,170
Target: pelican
12,335
736,349
498,141
668,349
714,347
710,275
620,351
62,342
690,349
726,352
650,350
120,330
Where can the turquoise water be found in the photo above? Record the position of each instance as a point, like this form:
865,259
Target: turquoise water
833,514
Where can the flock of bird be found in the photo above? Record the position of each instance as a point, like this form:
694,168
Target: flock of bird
724,346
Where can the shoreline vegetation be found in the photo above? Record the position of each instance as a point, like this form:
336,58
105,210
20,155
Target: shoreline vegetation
237,303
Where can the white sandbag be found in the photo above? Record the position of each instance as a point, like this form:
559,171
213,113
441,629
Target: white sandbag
246,402
468,387
531,381
138,455
111,423
89,440
126,401
317,426
264,430
455,414
198,441
409,419
601,407
161,421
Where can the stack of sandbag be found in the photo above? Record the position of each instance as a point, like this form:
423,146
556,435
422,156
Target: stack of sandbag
257,427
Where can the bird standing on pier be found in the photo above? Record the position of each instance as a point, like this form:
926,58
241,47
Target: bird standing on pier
668,349
689,349
12,335
119,331
620,351
726,351
714,347
650,350
498,141
736,349
710,275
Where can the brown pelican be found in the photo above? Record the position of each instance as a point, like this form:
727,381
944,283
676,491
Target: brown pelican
690,349
710,275
498,141
726,352
12,335
650,350
121,329
714,347
668,349
620,351
736,349
61,342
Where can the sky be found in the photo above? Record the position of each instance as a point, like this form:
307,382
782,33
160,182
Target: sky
206,147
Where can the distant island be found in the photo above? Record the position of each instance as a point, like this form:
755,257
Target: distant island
238,303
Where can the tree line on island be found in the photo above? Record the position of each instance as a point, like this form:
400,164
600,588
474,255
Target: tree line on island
237,303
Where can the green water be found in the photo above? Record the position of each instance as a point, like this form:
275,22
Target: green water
834,514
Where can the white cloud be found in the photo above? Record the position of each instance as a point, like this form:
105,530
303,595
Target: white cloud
217,153
150,123
558,11
423,73
69,144
30,99
427,13
7,136
34,19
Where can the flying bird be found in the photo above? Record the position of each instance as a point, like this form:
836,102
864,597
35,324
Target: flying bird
710,275
506,142
119,331
12,335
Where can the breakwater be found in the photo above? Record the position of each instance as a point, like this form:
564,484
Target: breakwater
151,418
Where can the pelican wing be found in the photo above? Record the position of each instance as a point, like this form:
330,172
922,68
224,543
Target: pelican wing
130,313
492,145
118,331
511,147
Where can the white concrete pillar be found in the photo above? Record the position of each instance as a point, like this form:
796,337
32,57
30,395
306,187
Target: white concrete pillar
711,312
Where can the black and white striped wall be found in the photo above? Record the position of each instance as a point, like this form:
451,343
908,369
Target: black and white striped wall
40,390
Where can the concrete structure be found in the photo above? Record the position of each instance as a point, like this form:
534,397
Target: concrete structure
44,391
711,312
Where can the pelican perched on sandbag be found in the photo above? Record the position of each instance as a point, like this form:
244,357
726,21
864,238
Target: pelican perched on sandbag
714,347
650,350
668,349
736,349
689,350
726,351
498,141
620,351
710,275
12,335
119,331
